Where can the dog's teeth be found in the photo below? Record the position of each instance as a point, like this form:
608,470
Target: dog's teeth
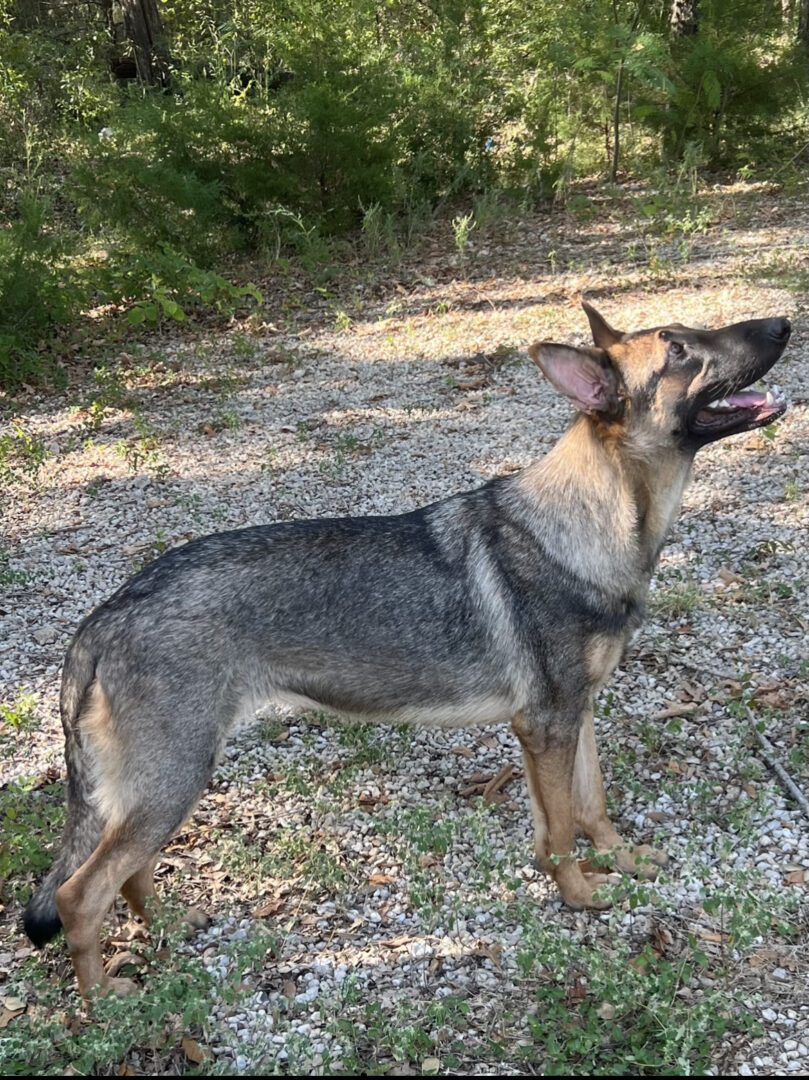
770,398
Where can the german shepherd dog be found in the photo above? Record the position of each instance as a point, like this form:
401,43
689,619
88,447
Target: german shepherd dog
510,603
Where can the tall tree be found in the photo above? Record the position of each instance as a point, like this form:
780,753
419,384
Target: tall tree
144,28
684,19
803,23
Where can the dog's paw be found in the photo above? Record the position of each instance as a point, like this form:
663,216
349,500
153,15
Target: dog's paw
641,862
579,890
195,919
118,986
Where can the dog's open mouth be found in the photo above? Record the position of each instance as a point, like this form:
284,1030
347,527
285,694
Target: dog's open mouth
740,411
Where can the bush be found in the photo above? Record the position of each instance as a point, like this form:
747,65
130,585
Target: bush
37,294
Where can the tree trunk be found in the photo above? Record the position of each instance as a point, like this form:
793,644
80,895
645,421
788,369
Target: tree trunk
684,20
145,30
616,123
803,24
27,14
109,19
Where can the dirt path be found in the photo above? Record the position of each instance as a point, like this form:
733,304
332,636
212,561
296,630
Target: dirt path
371,909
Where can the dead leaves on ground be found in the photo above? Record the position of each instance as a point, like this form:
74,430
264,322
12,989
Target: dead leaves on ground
490,785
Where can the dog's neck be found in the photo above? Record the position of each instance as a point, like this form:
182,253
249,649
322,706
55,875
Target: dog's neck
604,507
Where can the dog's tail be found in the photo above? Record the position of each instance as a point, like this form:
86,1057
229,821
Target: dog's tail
83,827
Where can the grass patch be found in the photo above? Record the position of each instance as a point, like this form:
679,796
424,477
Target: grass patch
31,818
22,454
166,1029
675,600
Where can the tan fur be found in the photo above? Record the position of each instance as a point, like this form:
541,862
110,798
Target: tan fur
549,770
114,791
85,898
639,358
588,791
618,479
579,480
626,501
590,810
604,654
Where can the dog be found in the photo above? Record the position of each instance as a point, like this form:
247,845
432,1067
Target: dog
511,603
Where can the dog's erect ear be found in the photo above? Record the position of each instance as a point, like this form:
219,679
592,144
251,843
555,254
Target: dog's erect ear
603,334
586,376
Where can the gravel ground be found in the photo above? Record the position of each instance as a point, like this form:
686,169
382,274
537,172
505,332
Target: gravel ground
399,887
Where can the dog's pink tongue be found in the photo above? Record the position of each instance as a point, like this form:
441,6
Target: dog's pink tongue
746,399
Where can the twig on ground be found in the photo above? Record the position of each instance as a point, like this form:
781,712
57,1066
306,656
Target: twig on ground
768,753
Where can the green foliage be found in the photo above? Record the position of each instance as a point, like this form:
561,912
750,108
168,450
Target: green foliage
287,124
34,298
176,1003
22,454
30,819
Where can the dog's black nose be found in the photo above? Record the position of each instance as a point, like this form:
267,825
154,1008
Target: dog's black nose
780,329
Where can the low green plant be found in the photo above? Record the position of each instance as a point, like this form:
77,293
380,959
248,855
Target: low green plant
8,576
175,1004
143,451
31,816
680,598
38,290
462,227
169,284
378,232
22,454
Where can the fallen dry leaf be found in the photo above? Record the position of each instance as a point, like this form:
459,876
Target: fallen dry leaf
493,952
729,577
271,907
193,1051
120,960
13,1004
492,791
6,1016
711,935
764,956
397,942
678,708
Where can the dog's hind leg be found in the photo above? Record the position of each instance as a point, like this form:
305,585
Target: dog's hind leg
147,780
591,810
549,753
141,895
84,899
123,861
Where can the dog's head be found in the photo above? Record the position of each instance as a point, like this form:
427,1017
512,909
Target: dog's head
671,385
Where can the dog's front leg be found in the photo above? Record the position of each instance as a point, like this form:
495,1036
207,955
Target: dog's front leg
590,809
549,747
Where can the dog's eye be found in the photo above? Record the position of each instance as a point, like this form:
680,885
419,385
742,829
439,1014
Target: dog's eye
676,349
